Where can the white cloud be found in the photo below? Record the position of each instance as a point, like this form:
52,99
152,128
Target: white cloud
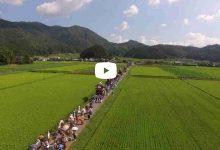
117,38
149,41
207,17
172,1
200,40
186,21
61,7
123,26
133,10
190,39
163,25
12,2
153,2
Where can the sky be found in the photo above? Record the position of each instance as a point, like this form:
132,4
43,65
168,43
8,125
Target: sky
177,22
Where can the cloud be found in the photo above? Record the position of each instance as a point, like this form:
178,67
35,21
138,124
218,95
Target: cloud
123,26
200,40
117,38
206,17
186,21
163,25
133,10
153,2
172,1
149,41
61,7
12,2
190,39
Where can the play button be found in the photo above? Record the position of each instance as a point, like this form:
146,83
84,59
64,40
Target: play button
105,70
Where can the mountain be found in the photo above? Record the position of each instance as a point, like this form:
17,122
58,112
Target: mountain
36,38
211,52
130,45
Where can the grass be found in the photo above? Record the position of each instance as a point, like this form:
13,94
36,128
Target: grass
150,71
11,80
209,71
79,68
212,88
144,113
156,114
32,103
9,69
184,72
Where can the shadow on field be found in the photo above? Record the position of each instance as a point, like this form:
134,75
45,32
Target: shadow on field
26,83
83,72
202,90
174,78
85,99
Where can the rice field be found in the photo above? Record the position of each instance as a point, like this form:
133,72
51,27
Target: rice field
155,107
32,103
149,71
158,113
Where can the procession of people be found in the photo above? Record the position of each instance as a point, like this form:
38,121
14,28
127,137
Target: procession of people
67,130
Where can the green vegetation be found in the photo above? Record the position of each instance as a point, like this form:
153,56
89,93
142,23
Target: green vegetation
209,87
157,114
38,39
35,38
151,109
149,71
11,80
209,71
184,72
210,53
94,123
96,52
7,69
32,103
7,56
66,56
194,72
78,68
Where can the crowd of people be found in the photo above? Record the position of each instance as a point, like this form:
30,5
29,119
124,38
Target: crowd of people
67,130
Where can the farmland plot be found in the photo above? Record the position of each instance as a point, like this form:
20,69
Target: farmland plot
210,71
184,72
32,108
150,71
158,114
9,69
78,68
12,80
211,88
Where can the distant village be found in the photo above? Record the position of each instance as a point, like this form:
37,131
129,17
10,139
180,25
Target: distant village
56,58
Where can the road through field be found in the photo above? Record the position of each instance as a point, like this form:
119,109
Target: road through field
96,108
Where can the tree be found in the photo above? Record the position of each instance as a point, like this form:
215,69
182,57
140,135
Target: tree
97,52
24,59
6,56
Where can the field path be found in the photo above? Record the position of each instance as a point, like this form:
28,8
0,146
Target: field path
96,107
